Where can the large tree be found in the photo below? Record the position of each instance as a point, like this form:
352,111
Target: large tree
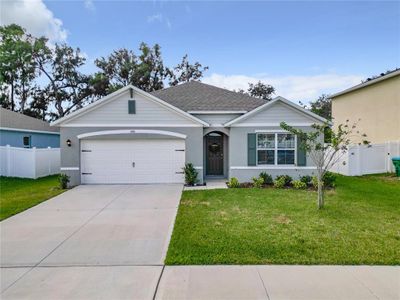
19,52
259,90
67,89
145,70
185,72
322,106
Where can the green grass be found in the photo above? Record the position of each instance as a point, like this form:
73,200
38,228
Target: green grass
19,194
360,224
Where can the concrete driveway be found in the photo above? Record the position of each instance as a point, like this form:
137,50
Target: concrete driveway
99,241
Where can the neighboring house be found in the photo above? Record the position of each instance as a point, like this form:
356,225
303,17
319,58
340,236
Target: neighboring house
376,102
131,136
18,130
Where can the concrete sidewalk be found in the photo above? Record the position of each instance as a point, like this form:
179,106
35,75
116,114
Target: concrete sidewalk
280,282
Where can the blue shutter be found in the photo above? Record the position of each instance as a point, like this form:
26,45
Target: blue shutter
301,152
251,149
131,107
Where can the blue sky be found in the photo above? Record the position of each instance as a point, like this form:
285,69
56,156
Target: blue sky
302,48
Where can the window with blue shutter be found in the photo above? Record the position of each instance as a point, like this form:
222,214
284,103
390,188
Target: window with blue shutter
251,149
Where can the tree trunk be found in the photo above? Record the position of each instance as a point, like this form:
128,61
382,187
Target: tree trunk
320,193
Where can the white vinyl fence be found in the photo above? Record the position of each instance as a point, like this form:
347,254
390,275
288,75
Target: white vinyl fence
362,160
29,163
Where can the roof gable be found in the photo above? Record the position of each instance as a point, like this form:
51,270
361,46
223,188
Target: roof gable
198,96
112,110
276,111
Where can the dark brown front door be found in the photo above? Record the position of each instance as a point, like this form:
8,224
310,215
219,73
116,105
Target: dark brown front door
215,154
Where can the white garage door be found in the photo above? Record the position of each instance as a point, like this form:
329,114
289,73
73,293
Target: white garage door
132,161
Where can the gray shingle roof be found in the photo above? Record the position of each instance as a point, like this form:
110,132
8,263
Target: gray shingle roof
194,96
11,119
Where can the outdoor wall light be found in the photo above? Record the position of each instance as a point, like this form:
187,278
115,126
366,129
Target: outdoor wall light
69,143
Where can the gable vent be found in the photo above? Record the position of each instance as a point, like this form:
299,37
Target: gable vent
131,107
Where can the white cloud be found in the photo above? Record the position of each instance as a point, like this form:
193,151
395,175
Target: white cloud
89,5
160,19
295,88
155,18
35,17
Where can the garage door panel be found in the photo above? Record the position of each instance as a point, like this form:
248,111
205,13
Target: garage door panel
111,161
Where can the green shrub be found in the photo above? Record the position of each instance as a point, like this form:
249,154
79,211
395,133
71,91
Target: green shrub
306,179
233,183
329,179
190,174
267,178
258,182
63,180
279,182
314,182
286,178
298,184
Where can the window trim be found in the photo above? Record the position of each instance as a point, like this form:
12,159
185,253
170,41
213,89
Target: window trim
30,141
275,133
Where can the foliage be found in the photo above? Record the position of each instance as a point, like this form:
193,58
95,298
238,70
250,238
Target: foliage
306,179
19,52
48,82
322,106
259,90
286,178
185,72
63,180
280,182
19,194
190,174
233,183
359,225
67,89
257,182
325,156
298,184
267,178
314,182
145,70
329,179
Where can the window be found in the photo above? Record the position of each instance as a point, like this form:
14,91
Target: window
26,141
276,149
266,149
286,145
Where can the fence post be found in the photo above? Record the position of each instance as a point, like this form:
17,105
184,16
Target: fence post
49,158
357,161
8,158
34,162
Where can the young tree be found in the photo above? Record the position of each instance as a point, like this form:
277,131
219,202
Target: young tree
325,156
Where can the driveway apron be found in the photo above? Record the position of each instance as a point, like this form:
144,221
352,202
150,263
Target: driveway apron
101,238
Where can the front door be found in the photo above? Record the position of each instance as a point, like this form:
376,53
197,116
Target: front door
214,154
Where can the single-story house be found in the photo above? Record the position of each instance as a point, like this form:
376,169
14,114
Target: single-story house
374,105
18,130
132,136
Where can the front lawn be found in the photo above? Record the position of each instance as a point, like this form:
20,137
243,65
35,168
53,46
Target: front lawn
19,194
360,224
